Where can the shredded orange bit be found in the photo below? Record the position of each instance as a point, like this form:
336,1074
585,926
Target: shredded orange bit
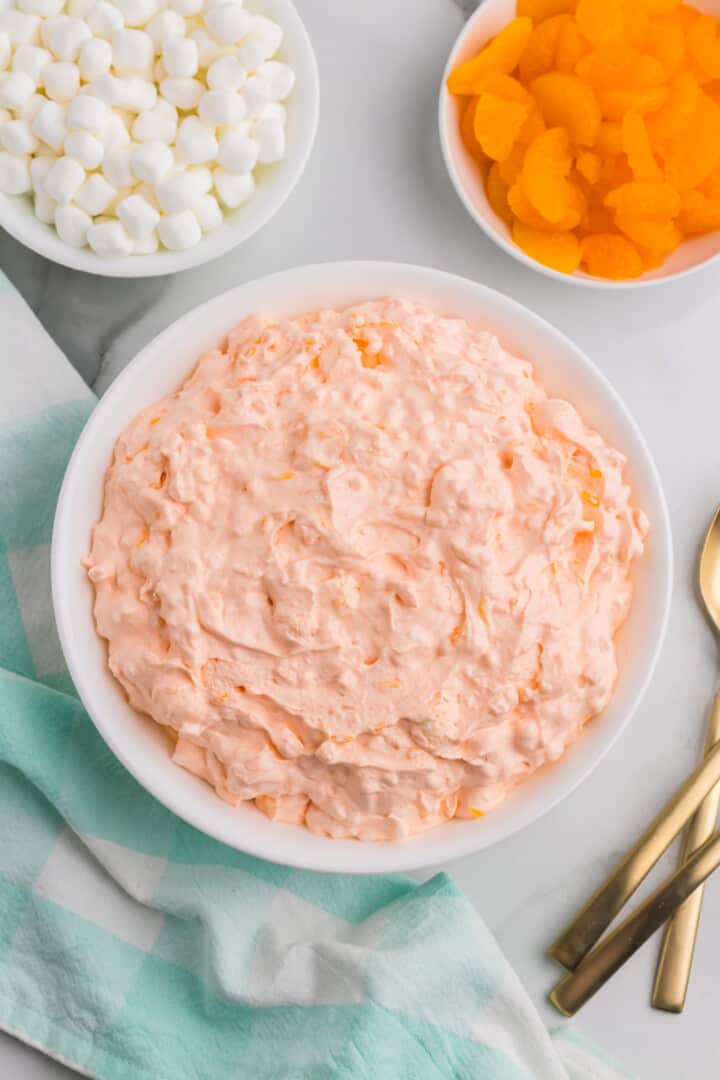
596,474
155,420
593,122
370,660
482,613
285,476
590,498
477,813
142,539
455,636
392,684
315,362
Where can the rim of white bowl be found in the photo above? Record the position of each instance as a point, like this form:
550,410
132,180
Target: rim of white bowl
284,844
274,187
579,278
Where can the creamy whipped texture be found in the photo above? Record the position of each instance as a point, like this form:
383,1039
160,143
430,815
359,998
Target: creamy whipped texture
365,571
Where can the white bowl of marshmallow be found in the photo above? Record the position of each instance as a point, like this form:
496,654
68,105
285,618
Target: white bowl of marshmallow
143,137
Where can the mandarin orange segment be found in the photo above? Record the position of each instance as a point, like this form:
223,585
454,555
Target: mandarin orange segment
659,7
497,193
610,67
611,255
608,143
695,152
652,202
547,163
524,210
539,53
566,101
539,10
558,250
501,54
658,237
504,86
615,103
467,130
637,148
497,125
600,21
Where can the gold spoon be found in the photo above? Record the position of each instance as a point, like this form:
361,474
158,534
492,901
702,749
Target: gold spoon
676,955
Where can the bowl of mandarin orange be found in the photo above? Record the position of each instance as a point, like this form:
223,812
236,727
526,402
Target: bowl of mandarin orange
583,136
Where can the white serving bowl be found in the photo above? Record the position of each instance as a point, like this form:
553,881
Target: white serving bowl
159,369
274,182
468,178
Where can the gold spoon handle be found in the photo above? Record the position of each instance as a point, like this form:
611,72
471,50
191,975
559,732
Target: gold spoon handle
578,986
592,921
673,970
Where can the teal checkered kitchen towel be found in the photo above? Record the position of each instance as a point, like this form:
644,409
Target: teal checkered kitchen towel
133,947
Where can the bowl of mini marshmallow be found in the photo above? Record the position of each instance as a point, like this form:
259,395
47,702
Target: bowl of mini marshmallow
143,137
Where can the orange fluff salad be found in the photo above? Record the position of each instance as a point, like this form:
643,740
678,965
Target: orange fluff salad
597,125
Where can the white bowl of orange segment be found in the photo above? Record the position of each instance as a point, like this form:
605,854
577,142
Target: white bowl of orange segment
583,136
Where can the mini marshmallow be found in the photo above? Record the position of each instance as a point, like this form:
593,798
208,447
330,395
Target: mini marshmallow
44,208
195,142
88,113
50,124
226,74
116,167
165,27
184,93
137,94
132,50
116,132
180,56
209,49
5,49
32,60
137,12
180,231
72,225
104,19
62,80
30,108
96,195
228,23
137,215
14,174
269,135
278,78
274,110
219,107
188,8
17,138
234,189
208,212
44,8
15,89
65,35
64,180
151,161
109,238
22,29
181,190
85,148
157,124
238,152
107,87
146,245
39,168
257,47
95,58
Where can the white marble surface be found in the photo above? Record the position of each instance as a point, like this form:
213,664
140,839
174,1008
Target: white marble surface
376,188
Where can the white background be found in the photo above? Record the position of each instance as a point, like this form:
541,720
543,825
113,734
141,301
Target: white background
376,188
